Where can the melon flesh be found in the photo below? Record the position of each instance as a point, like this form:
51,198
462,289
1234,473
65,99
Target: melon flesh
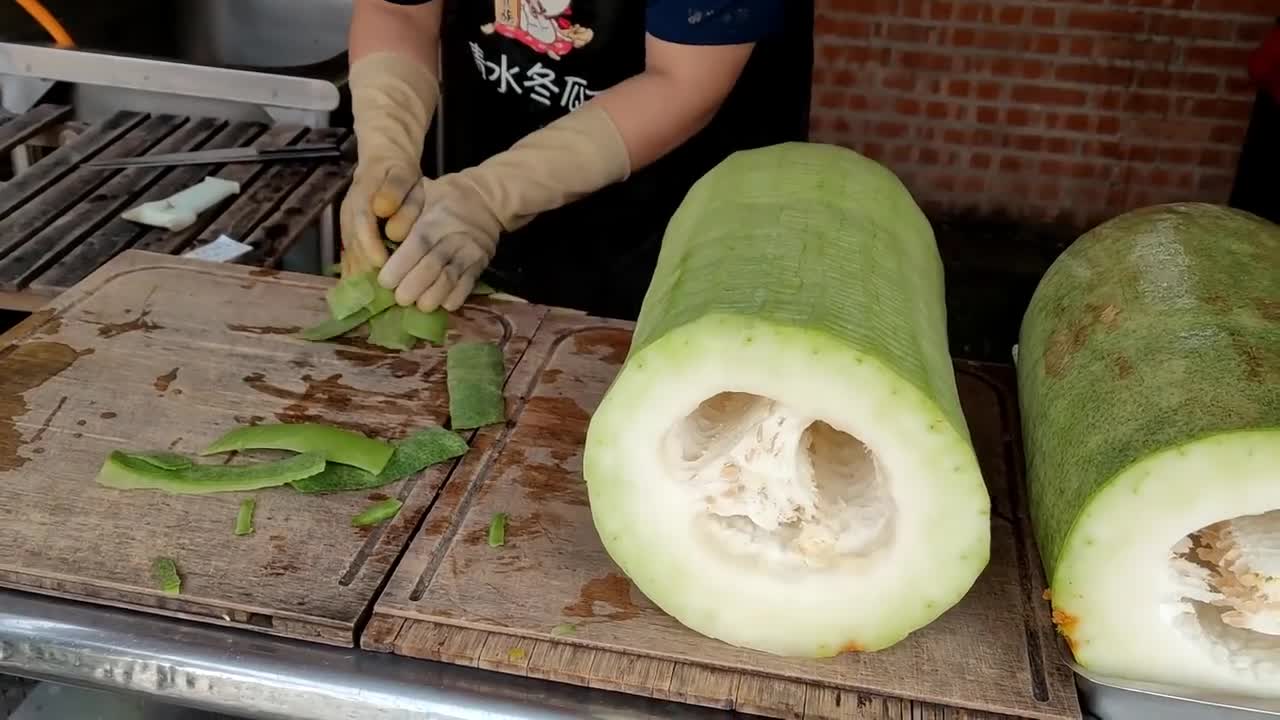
1149,377
782,462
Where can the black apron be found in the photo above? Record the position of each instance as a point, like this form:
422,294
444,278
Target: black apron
513,66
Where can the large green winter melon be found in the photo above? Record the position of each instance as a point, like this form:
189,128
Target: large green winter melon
1149,375
782,463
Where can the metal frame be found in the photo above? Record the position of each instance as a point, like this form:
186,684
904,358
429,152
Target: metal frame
256,676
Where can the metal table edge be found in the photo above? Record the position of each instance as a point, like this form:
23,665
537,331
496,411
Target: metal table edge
249,675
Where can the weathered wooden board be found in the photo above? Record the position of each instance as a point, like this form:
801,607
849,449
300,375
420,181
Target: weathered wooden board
456,599
158,352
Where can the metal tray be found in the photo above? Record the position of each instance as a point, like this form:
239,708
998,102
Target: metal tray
1107,698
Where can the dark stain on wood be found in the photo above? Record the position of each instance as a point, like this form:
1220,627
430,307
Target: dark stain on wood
24,368
377,497
138,324
248,419
607,344
398,365
48,420
604,598
265,272
262,329
331,401
108,415
162,383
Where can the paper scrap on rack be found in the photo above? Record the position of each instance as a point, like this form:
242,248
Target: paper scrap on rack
224,249
180,210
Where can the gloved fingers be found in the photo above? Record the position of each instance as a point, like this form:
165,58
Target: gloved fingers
357,224
456,254
397,182
430,298
401,223
462,289
420,278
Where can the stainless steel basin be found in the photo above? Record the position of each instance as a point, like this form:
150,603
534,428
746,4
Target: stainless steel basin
237,59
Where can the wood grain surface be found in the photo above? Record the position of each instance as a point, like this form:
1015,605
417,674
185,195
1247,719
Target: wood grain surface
455,598
154,352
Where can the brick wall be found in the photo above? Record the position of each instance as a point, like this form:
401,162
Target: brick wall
1067,109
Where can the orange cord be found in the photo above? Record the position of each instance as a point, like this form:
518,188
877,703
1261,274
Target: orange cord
47,21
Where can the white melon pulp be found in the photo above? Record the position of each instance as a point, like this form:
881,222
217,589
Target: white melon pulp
782,463
1168,583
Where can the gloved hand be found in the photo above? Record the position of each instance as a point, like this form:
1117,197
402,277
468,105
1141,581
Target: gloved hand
392,101
455,237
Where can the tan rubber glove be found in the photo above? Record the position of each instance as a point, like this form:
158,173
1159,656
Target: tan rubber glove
392,100
456,236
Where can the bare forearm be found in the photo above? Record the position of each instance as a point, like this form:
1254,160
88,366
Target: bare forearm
673,98
412,31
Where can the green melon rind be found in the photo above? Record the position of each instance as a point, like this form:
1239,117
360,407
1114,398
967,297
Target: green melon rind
1108,375
1151,343
813,262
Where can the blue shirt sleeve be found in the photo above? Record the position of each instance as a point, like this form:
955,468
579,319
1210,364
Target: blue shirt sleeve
713,22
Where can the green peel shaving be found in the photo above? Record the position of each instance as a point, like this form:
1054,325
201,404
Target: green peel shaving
377,513
335,444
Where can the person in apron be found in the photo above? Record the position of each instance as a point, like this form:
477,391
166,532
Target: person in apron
572,131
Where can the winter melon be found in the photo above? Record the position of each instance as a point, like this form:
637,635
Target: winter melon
782,463
1149,376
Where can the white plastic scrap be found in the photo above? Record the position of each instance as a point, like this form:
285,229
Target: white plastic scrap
179,211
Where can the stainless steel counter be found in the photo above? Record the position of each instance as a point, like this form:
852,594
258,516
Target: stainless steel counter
255,676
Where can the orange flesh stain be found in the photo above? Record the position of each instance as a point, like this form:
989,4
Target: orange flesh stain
1066,623
851,647
1047,594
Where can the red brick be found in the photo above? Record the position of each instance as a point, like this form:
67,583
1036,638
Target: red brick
831,99
1190,26
987,115
1177,155
874,150
1265,8
962,37
1227,134
936,110
844,78
1253,32
906,106
1046,44
1107,125
890,129
1018,67
941,10
1044,16
973,185
899,80
1059,145
928,156
1010,15
1018,117
1010,164
980,161
954,136
902,153
916,60
1094,74
989,91
909,33
973,12
1111,21
1220,108
1040,95
1076,122
1197,82
958,87
860,54
858,102
911,8
1137,49
1081,46
1029,143
1221,56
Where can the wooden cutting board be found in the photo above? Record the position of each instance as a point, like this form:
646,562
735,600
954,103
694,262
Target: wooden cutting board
456,599
153,351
